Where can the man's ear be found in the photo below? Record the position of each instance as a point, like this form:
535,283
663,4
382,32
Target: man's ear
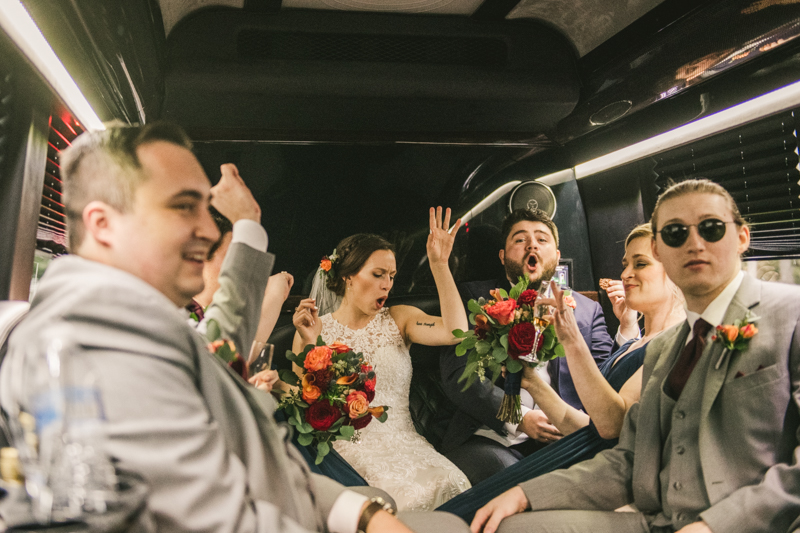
98,221
558,256
744,239
502,257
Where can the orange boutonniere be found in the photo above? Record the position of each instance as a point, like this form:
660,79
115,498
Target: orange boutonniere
736,336
225,349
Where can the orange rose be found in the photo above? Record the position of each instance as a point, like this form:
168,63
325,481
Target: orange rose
325,264
503,311
570,301
748,331
338,347
729,332
357,404
310,392
318,359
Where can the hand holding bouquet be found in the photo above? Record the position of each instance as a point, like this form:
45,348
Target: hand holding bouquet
504,335
336,389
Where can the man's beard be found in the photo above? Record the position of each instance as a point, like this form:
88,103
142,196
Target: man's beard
516,270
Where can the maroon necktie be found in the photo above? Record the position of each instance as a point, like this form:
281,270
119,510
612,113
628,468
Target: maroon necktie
686,362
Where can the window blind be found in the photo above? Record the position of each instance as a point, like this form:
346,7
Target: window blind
758,164
51,233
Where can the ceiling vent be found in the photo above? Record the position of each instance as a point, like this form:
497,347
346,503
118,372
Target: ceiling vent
259,45
316,75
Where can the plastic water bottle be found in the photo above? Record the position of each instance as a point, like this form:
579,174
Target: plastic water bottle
60,429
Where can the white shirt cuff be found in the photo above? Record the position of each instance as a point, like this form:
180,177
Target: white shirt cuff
512,428
345,512
620,338
251,233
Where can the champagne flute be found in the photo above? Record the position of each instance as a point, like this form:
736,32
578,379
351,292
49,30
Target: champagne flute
540,323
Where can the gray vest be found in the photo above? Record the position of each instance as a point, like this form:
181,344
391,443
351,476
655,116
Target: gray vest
683,492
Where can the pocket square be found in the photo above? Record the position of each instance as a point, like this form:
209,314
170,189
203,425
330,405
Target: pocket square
741,374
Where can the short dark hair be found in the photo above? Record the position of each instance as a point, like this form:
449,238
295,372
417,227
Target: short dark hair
103,165
531,215
696,186
352,252
223,225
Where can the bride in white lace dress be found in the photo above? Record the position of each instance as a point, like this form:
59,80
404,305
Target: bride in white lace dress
391,456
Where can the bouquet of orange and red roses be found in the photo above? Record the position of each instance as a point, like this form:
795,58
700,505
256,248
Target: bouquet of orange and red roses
505,332
332,403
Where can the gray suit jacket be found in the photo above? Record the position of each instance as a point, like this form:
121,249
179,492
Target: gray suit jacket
749,430
205,441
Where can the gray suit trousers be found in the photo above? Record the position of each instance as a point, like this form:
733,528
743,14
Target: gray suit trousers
575,522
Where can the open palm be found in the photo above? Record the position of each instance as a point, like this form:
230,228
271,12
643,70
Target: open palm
440,241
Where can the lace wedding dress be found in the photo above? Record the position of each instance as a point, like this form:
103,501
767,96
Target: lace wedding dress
393,456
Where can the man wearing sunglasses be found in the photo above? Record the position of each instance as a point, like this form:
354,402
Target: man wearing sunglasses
713,443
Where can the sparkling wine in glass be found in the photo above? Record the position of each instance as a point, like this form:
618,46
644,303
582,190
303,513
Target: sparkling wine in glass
539,322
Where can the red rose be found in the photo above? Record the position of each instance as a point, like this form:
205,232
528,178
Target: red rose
503,311
322,415
527,297
369,389
520,340
361,423
323,379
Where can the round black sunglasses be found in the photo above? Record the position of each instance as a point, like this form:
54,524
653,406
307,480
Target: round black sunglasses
711,230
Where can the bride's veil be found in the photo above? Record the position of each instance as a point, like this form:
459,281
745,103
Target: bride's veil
327,300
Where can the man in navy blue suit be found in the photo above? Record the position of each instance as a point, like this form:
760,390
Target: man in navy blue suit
476,441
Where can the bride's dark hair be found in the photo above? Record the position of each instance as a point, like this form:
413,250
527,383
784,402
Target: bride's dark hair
353,252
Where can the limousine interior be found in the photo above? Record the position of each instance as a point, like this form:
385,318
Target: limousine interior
355,115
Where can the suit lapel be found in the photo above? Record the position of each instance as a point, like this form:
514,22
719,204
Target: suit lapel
747,297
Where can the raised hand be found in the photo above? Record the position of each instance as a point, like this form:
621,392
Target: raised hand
279,285
563,318
306,321
440,241
232,198
627,317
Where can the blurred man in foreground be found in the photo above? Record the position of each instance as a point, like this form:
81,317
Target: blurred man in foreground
137,202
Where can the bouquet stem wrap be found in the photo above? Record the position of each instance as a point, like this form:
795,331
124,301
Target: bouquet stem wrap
511,410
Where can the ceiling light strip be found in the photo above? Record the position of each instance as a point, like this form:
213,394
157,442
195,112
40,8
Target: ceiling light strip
20,27
759,107
489,200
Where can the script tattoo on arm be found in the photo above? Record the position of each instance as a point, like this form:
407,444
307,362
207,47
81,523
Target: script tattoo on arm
429,324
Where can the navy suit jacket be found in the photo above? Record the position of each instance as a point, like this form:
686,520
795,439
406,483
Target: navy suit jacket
479,404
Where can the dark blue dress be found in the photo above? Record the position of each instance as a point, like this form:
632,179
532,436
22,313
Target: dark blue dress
578,446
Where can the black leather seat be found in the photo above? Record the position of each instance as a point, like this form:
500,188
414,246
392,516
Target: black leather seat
430,408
